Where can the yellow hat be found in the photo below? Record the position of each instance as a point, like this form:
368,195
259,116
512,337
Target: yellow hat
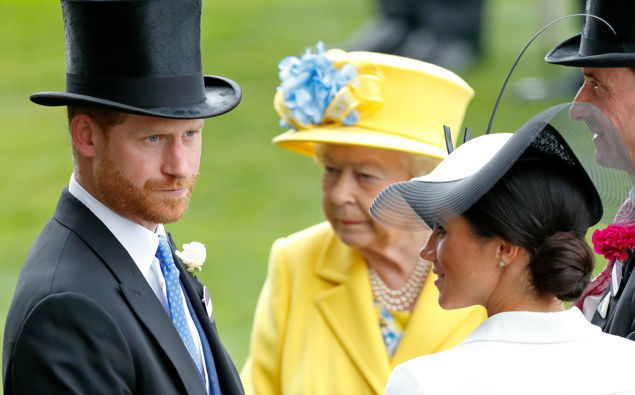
382,101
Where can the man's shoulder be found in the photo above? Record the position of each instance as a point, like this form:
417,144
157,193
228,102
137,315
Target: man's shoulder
59,260
55,244
58,263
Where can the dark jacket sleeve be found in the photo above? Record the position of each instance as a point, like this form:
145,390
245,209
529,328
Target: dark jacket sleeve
69,344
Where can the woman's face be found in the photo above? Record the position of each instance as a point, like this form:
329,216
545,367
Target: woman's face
467,267
353,177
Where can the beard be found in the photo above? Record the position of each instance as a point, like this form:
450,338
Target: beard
144,202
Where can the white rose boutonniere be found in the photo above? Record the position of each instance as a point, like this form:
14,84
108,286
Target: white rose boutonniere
193,256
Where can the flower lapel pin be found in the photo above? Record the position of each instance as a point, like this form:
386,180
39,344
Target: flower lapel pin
193,256
616,243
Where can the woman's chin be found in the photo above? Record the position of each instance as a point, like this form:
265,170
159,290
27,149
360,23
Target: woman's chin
354,238
447,302
444,304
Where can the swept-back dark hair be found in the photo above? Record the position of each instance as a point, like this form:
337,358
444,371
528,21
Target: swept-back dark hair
541,205
105,118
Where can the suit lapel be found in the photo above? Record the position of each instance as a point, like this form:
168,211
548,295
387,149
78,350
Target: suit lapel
225,369
142,300
607,323
153,317
346,309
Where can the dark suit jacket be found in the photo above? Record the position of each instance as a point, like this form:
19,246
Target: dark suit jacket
84,320
620,317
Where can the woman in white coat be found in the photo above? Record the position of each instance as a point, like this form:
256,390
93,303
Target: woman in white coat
509,214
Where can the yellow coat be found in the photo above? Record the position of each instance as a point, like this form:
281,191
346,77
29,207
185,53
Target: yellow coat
316,330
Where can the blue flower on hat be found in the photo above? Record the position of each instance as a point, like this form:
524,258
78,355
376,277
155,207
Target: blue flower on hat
309,84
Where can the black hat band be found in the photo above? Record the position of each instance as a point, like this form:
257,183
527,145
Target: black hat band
589,47
141,92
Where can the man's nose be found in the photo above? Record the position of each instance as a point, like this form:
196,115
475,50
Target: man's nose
175,161
580,110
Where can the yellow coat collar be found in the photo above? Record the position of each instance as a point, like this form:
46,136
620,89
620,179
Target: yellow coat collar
349,312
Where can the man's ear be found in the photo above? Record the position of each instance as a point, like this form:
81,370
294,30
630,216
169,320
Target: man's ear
85,133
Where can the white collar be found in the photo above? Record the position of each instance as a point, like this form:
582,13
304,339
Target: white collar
140,242
534,327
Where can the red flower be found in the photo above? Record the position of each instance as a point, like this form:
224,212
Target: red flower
615,242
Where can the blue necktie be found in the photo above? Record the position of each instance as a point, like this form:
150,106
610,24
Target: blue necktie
175,300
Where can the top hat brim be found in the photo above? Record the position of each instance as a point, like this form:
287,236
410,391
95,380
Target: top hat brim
222,95
567,53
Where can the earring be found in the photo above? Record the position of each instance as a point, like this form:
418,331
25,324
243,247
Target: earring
501,263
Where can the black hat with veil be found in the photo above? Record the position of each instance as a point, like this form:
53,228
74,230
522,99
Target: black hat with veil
577,137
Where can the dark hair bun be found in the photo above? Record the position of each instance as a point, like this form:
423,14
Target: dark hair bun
562,266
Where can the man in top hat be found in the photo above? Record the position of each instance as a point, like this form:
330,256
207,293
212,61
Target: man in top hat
102,304
607,57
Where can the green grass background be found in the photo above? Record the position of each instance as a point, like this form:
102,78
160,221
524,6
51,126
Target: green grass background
249,192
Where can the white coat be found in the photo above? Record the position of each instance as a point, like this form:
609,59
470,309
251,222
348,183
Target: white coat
522,352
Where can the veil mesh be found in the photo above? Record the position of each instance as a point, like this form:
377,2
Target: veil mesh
576,135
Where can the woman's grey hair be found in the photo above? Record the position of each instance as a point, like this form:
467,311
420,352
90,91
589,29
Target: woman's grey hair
417,165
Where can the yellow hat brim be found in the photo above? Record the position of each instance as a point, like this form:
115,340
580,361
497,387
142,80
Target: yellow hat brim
302,141
416,100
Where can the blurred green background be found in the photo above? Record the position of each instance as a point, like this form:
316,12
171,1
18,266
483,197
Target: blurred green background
249,192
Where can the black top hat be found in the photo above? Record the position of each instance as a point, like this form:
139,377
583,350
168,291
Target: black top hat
598,45
141,57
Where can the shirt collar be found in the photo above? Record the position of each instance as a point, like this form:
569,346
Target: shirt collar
140,242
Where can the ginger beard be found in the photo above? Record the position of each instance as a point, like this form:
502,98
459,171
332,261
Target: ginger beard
145,202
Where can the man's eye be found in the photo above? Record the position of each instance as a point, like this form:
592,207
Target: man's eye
153,139
190,133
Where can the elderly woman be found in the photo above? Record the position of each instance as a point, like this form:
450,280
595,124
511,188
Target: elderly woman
346,300
509,214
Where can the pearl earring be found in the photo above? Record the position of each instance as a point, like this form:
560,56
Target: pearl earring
501,263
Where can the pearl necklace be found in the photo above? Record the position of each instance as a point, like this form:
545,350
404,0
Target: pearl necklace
403,298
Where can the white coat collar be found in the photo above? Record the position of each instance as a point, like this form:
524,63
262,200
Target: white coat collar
534,327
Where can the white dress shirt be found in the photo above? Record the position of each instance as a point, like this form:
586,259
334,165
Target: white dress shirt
521,352
142,245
